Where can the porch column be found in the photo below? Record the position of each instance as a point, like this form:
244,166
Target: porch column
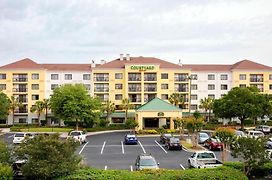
172,126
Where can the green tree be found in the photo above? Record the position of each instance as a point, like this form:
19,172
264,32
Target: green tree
14,104
38,108
176,99
226,136
131,124
72,102
46,105
180,123
4,153
126,106
48,157
194,126
207,105
240,103
109,108
251,151
4,106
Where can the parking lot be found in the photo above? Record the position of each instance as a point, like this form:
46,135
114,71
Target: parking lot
107,151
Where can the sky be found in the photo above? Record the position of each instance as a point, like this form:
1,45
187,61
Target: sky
193,31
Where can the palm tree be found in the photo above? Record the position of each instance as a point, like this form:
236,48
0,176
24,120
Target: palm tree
46,104
176,99
109,108
14,104
207,105
38,108
126,106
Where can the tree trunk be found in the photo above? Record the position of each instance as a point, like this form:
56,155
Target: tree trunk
126,114
13,117
223,153
209,117
39,121
47,121
76,124
242,123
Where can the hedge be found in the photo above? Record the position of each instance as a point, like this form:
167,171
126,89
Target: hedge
6,172
190,174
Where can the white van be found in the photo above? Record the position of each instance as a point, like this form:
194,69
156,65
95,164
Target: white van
255,134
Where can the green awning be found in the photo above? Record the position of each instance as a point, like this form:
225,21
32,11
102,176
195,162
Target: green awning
158,104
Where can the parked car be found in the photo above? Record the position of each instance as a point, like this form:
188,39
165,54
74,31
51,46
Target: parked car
78,136
269,143
163,137
202,137
213,144
131,139
263,128
173,143
21,137
239,134
204,159
255,134
146,161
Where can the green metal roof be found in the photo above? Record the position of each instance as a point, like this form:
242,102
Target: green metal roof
158,104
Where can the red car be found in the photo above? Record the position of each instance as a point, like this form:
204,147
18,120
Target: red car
213,144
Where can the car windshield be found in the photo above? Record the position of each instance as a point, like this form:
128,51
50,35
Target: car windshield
203,135
148,162
174,140
131,136
205,155
167,135
74,133
19,135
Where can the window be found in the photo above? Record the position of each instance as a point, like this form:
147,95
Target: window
68,76
194,76
118,96
118,76
224,77
164,76
3,76
164,96
118,86
35,76
224,87
54,86
86,76
22,120
242,76
35,86
212,96
193,106
54,76
164,86
35,97
194,86
242,85
270,76
211,77
194,97
211,87
88,87
270,86
3,87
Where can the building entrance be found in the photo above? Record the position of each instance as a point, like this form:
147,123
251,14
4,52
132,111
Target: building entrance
151,122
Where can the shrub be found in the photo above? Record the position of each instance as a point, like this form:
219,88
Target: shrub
190,174
171,131
4,153
149,131
236,165
6,172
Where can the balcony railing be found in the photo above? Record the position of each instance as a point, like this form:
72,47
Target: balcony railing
150,89
23,100
182,89
137,89
134,78
101,78
101,89
20,79
19,89
181,79
256,79
135,99
150,78
21,111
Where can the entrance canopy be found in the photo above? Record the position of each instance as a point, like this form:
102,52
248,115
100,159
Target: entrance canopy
158,111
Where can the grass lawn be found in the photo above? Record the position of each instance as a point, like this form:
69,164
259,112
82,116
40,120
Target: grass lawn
45,129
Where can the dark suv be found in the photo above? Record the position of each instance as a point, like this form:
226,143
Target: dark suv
173,143
164,137
146,161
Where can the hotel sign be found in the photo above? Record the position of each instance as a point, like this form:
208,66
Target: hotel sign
142,67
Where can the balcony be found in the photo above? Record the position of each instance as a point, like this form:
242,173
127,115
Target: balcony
256,79
20,79
19,111
150,77
135,100
19,89
181,79
101,89
182,89
134,89
134,78
150,89
23,100
99,79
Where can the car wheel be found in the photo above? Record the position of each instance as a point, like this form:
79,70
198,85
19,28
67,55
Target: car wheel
189,163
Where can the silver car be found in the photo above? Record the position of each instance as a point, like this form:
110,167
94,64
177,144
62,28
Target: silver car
202,137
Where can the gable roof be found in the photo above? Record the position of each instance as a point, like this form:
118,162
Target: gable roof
24,63
157,104
207,67
247,64
117,63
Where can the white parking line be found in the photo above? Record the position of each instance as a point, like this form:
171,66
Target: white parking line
103,147
160,146
131,168
106,167
83,148
181,166
142,146
123,150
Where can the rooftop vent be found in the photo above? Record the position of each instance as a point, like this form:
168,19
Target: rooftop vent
127,57
121,57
